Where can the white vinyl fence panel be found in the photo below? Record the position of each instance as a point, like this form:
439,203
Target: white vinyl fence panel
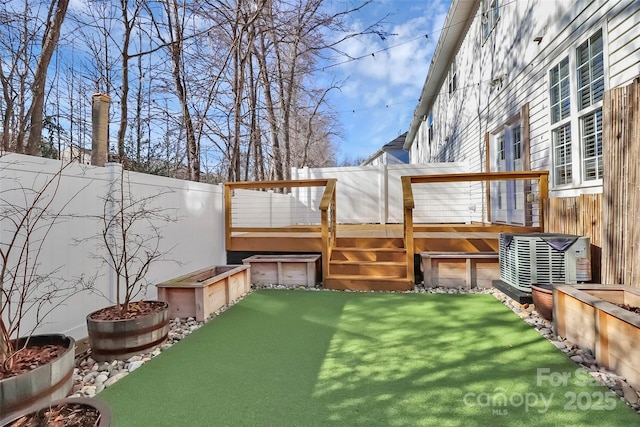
193,239
373,194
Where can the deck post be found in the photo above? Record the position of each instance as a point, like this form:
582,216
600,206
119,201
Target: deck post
544,199
227,216
408,204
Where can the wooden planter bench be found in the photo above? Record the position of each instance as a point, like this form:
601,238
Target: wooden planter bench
589,316
202,292
459,269
288,270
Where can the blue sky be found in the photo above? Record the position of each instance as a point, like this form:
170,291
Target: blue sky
377,101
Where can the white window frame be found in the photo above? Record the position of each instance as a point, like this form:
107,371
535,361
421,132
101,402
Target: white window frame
452,77
489,18
574,121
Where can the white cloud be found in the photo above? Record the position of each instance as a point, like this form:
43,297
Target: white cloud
383,88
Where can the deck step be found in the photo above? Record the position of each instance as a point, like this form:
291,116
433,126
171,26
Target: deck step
368,264
368,254
360,283
369,268
369,242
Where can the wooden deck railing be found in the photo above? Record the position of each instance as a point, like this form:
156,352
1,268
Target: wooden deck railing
542,178
326,226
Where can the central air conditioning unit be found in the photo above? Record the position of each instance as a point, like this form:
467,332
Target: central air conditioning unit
527,259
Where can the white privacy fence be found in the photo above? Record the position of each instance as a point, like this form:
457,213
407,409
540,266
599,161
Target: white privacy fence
69,251
373,194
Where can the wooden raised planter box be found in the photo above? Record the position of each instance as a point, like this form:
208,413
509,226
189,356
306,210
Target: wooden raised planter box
588,316
288,270
202,292
459,269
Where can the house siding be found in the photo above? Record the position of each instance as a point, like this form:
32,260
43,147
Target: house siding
497,76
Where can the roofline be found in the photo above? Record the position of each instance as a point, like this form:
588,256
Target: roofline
454,29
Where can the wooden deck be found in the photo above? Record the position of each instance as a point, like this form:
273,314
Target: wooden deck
361,256
439,237
373,256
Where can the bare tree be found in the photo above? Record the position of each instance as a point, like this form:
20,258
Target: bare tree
23,71
28,214
131,232
55,18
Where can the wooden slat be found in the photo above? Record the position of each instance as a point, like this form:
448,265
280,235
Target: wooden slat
581,216
479,176
277,184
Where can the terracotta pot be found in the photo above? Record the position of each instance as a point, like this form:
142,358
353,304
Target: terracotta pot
40,386
123,338
542,295
103,409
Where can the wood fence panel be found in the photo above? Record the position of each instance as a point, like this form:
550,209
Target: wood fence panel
581,216
621,189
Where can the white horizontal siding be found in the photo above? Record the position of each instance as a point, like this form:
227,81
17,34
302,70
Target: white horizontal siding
478,107
624,45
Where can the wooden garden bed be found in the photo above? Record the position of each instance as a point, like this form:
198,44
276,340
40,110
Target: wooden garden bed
460,269
588,315
288,270
202,292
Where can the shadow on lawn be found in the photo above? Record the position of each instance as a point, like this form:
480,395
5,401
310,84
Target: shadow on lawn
453,360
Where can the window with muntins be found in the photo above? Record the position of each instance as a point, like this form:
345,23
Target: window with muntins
562,154
576,87
517,143
453,77
560,91
490,17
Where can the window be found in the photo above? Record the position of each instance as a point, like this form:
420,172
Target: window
559,93
501,148
490,17
590,71
453,77
562,154
576,127
590,82
517,143
591,132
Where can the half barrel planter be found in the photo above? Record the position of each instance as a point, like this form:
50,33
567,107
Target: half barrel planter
120,339
78,402
202,292
37,388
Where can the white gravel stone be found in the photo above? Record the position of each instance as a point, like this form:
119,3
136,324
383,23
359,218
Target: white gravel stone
100,379
111,381
135,365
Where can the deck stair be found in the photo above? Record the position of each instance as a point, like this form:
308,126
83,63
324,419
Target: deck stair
377,264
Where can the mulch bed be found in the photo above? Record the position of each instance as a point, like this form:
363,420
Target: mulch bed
69,414
29,358
135,309
630,308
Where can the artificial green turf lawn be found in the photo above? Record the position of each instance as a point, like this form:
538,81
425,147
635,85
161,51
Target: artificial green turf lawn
298,358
